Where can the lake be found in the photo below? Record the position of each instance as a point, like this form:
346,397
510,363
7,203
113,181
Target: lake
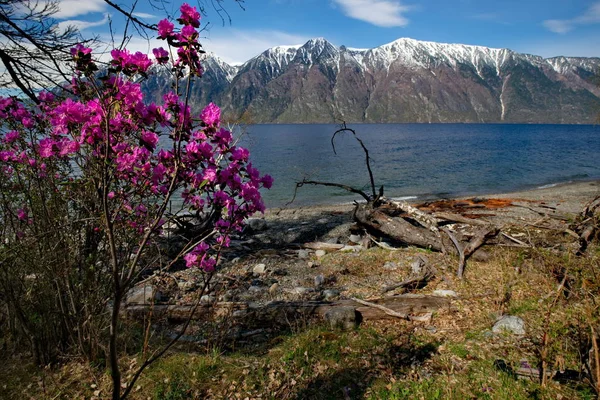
421,161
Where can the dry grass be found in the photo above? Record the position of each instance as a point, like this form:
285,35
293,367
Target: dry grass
451,357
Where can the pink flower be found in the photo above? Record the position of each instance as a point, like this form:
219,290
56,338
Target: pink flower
22,214
150,138
162,56
239,154
267,181
47,148
6,155
191,259
188,34
189,16
211,115
80,50
210,174
165,29
11,136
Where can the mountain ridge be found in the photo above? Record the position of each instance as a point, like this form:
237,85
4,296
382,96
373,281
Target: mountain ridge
406,80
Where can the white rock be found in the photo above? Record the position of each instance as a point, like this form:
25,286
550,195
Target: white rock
300,291
509,323
259,269
355,238
207,299
445,293
320,253
303,253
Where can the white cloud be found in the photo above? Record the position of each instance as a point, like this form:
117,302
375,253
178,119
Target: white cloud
384,13
233,46
82,25
73,8
144,15
237,46
558,26
590,16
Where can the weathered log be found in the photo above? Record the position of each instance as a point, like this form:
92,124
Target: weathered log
283,313
396,228
323,246
426,220
589,225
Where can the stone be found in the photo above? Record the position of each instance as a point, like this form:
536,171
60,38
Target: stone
390,266
259,269
344,318
417,265
319,281
323,221
303,253
301,291
331,294
185,285
255,289
320,253
355,238
280,272
256,224
312,264
144,294
445,293
207,299
273,289
509,323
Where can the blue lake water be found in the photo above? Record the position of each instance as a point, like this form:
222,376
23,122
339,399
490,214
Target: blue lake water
422,160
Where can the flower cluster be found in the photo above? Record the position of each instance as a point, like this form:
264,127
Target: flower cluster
133,156
185,40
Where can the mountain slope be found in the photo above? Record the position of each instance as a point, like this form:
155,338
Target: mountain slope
403,81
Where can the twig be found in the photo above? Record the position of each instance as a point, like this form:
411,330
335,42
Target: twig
339,185
546,337
386,310
523,244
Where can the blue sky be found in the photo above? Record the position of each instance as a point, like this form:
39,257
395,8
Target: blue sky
543,27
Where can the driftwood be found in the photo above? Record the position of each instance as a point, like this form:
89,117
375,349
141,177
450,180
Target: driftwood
283,313
413,225
588,228
323,246
396,228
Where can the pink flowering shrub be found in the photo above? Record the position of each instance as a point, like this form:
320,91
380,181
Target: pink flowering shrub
91,176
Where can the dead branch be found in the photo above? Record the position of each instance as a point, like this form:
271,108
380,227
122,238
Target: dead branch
339,185
380,307
412,282
344,128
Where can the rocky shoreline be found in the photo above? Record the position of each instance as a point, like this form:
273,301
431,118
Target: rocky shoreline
276,260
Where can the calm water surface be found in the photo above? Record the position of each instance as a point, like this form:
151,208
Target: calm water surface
422,160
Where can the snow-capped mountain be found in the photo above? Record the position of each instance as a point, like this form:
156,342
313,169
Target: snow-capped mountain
403,81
